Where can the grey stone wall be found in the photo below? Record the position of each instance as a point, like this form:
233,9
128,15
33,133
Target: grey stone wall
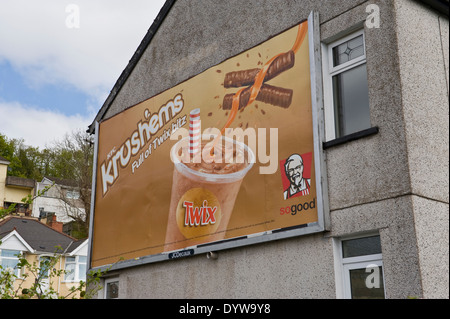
423,60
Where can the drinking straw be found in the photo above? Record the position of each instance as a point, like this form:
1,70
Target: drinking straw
194,132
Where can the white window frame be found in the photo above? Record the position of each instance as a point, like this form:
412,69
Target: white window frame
360,262
77,263
45,282
105,288
17,271
329,71
343,266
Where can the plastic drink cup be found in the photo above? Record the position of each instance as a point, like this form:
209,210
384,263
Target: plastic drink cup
202,202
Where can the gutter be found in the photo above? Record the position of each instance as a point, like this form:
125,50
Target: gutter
440,5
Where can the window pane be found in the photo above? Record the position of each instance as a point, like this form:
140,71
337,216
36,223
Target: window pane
361,246
351,100
367,284
70,272
44,266
82,259
112,290
10,253
70,259
348,51
73,194
82,272
10,259
9,263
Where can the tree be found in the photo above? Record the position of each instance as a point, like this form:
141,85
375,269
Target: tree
70,159
7,147
25,161
74,161
8,150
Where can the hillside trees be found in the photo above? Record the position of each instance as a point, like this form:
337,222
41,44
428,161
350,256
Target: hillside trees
69,159
74,161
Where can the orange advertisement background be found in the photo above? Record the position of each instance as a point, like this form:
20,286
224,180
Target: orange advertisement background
131,218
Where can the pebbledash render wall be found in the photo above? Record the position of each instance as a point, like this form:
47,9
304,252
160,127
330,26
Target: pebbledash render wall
394,183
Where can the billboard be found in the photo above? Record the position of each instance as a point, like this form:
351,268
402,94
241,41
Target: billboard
228,157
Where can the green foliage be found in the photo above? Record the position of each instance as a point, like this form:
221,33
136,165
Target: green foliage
63,160
45,270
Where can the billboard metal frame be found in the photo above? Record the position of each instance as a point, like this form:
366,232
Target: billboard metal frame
321,180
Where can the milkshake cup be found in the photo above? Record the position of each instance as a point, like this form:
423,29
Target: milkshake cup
203,195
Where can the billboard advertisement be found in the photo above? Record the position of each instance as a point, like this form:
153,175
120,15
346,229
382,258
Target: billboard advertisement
224,156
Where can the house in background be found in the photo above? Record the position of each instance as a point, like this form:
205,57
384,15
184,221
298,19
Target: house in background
38,242
61,201
36,230
13,189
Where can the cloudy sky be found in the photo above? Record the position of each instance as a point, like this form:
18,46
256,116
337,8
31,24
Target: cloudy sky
59,59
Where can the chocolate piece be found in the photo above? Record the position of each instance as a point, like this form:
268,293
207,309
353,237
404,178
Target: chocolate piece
240,78
247,77
268,94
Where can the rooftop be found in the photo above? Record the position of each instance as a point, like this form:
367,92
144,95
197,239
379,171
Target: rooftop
39,236
4,161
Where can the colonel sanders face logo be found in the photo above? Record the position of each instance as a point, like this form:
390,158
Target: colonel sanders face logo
299,186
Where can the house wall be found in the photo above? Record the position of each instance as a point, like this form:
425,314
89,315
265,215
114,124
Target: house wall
15,194
51,202
57,283
55,200
3,172
423,61
394,183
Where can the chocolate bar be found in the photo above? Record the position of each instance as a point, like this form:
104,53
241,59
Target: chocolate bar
268,94
247,77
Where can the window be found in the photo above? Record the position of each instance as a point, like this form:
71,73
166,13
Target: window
361,268
45,267
73,194
10,259
45,264
75,268
346,87
111,288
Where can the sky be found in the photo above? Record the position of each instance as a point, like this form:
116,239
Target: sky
59,59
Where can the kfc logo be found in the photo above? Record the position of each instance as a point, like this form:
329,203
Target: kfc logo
296,175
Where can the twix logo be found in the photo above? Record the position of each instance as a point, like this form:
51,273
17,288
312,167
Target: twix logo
199,216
